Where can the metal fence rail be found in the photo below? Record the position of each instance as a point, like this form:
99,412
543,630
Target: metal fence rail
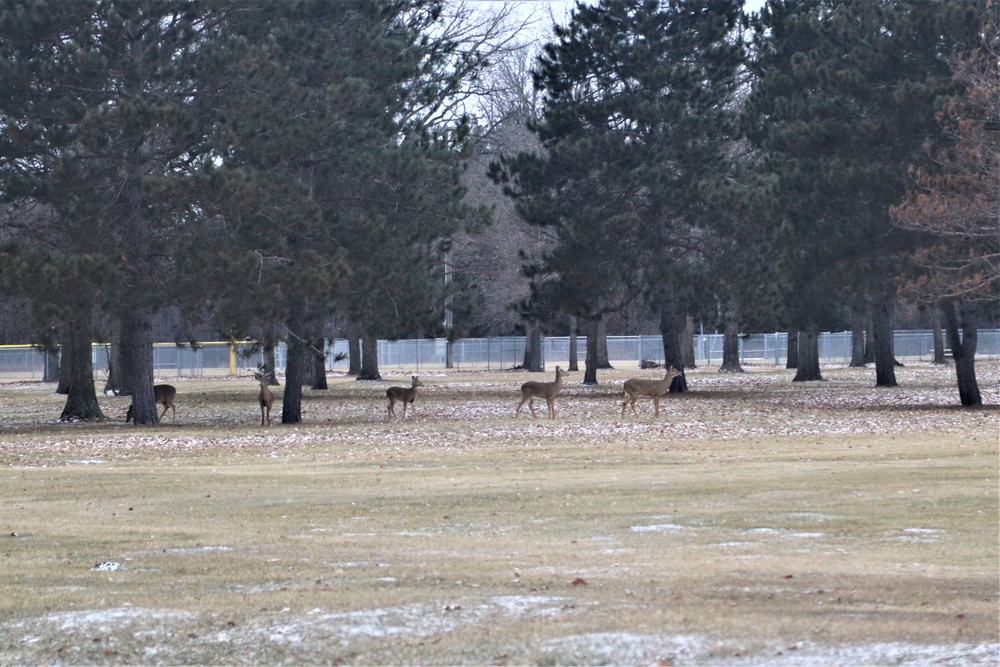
219,359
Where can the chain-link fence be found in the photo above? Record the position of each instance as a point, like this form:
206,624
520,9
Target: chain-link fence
221,359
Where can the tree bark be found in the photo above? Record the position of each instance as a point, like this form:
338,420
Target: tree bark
792,350
939,358
687,343
808,353
963,337
296,361
353,351
81,397
602,344
319,365
671,330
137,358
574,364
369,358
533,348
590,362
858,337
731,348
885,371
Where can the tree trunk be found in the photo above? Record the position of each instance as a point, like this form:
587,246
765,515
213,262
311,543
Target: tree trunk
882,312
731,348
296,362
319,365
602,344
792,350
369,358
939,359
808,353
858,340
963,337
687,343
137,356
590,362
574,364
81,397
533,348
671,329
353,351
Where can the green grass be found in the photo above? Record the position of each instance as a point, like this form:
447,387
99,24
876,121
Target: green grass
756,520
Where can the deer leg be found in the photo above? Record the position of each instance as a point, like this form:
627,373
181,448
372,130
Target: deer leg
517,412
552,408
531,406
656,407
391,409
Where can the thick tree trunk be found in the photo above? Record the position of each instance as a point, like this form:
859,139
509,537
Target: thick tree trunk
792,350
602,344
533,348
869,341
574,364
939,358
137,357
731,348
319,365
81,397
369,358
808,353
296,362
963,337
353,351
882,315
858,340
687,343
671,330
590,362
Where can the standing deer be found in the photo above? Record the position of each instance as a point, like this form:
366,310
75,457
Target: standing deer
266,396
547,390
162,393
655,389
404,395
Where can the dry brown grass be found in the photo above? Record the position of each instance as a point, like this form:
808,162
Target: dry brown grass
756,521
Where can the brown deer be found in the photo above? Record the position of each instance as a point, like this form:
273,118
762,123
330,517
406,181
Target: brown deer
547,390
162,393
405,395
655,389
266,396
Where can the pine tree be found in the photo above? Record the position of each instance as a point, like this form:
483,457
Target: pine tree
633,126
843,100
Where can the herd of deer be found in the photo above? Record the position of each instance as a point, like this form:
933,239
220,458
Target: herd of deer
634,388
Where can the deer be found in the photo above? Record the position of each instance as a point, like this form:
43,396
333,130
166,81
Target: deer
162,393
547,390
266,396
405,395
655,389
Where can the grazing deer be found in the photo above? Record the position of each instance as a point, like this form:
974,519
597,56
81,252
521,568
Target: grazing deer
655,389
404,395
162,393
266,396
547,390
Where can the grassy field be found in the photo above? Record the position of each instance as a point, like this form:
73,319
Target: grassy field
758,521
